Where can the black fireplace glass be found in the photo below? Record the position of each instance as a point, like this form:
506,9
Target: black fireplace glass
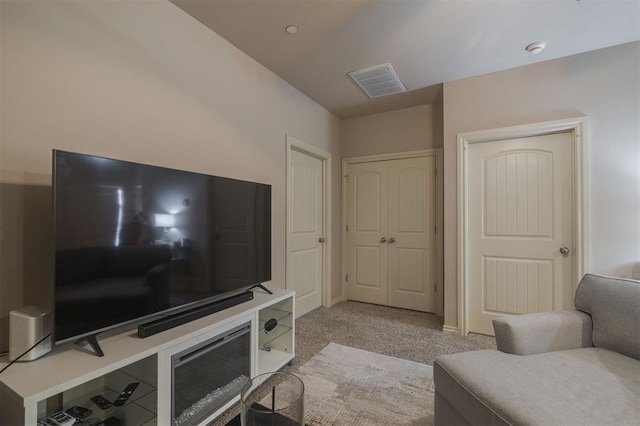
208,375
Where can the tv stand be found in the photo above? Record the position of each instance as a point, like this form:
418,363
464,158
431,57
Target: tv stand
66,376
93,342
260,286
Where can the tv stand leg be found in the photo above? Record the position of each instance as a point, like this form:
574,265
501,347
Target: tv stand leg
261,287
93,342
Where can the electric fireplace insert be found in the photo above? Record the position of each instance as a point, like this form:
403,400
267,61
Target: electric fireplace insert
210,374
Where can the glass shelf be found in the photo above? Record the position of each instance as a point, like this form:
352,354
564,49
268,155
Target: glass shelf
129,413
267,337
282,313
268,313
137,410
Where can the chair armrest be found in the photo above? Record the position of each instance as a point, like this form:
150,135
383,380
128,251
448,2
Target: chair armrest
543,332
157,270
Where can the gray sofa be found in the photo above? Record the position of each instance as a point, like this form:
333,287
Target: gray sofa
579,367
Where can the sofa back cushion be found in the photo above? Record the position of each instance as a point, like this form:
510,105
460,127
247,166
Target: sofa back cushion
79,265
135,261
614,306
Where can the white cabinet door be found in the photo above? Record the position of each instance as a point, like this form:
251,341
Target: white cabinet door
519,218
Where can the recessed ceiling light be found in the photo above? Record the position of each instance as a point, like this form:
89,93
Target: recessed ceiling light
292,29
535,48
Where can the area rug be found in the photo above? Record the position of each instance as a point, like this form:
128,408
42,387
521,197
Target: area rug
348,386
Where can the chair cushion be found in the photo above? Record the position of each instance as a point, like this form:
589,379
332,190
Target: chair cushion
588,386
614,306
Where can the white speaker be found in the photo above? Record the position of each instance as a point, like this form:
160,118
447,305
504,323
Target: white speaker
27,326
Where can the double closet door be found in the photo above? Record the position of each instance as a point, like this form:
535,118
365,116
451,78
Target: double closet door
391,238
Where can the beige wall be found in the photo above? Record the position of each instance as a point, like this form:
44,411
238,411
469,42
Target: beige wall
109,78
140,81
603,85
406,129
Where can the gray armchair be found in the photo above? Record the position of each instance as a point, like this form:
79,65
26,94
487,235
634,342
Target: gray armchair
552,368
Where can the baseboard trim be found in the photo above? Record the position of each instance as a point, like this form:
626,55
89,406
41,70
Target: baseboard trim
335,300
450,329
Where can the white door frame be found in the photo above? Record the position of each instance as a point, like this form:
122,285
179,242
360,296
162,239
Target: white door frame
579,132
294,143
439,214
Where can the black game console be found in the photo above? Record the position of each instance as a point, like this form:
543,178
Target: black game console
101,402
79,412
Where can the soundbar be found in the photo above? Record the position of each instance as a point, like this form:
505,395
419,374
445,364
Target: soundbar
157,326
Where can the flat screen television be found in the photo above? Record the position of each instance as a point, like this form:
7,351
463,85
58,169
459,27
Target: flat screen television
132,241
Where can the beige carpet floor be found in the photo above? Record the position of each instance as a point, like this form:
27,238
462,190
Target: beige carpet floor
400,333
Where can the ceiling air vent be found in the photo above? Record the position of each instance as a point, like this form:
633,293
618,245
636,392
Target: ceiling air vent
379,80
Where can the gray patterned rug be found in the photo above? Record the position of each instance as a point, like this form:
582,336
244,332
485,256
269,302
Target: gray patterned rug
347,386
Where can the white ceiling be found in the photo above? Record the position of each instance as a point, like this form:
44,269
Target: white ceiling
427,42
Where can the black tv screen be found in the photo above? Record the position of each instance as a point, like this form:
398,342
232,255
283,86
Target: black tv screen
135,240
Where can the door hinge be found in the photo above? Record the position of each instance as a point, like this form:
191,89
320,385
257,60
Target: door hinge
435,229
346,278
436,171
346,228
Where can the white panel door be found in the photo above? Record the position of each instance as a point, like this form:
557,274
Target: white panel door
367,218
412,237
519,217
391,240
306,251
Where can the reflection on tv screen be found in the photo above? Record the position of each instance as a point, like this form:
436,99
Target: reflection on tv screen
132,240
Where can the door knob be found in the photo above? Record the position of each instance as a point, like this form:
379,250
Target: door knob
321,240
564,250
392,240
383,240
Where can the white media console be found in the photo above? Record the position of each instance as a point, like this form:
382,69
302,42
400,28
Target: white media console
70,375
